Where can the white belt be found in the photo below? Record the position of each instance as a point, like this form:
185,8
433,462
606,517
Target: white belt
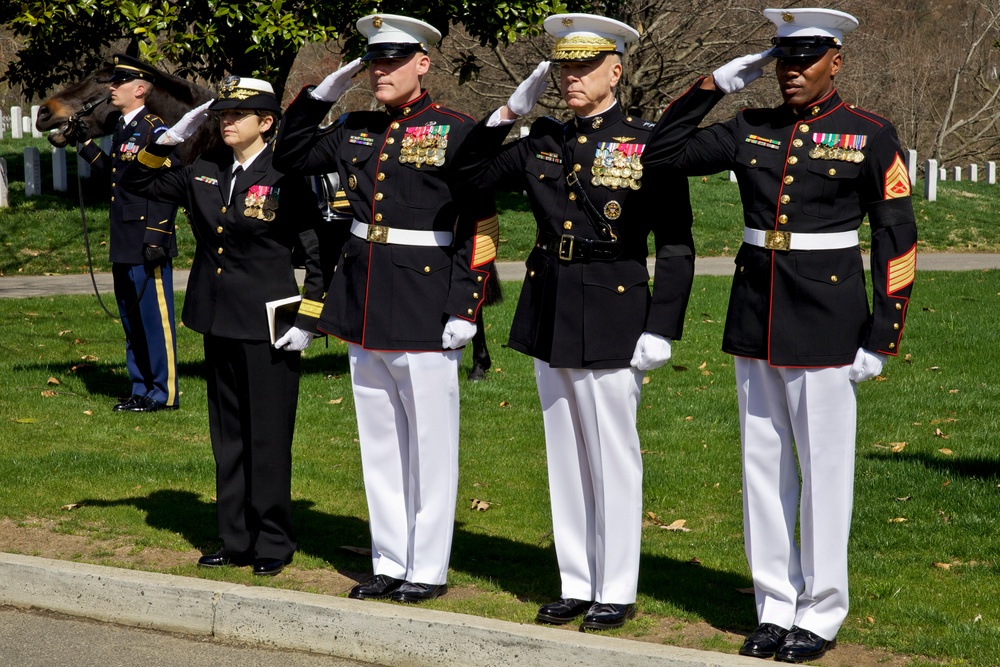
380,234
778,240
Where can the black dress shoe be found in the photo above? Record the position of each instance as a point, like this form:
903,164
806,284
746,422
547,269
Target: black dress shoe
562,611
801,645
123,406
411,592
223,558
147,404
268,567
604,616
377,588
764,641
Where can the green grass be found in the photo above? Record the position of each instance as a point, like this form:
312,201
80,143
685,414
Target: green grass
147,481
42,235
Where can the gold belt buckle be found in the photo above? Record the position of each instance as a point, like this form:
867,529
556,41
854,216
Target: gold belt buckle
775,240
378,234
566,247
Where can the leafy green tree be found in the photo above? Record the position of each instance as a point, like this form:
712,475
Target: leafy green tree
62,40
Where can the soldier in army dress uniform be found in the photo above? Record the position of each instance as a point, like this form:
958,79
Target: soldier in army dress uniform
410,281
585,312
141,246
249,221
799,323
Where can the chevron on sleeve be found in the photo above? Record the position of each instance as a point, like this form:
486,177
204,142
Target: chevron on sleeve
897,179
901,270
487,238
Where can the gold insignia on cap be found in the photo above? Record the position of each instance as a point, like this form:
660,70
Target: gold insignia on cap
582,47
116,60
612,210
567,22
377,22
787,18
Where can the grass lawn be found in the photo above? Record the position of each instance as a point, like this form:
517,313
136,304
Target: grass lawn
925,538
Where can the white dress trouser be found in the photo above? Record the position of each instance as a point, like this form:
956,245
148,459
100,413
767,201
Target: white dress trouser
595,478
407,408
816,409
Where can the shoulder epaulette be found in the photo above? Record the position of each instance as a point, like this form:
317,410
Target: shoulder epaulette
443,109
867,115
638,123
547,125
756,115
153,119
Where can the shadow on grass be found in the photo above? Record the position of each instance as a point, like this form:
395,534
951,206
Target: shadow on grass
111,379
973,467
527,571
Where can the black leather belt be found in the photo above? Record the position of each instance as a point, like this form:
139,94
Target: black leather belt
571,248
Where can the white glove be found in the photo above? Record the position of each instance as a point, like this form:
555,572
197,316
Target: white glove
866,365
337,83
294,340
457,333
736,74
527,94
186,126
651,351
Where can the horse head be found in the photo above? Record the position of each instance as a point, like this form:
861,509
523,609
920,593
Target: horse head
88,101
89,98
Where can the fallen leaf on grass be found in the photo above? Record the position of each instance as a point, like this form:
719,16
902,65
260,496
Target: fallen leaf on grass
48,393
63,333
978,618
689,418
645,379
870,619
953,391
904,499
897,447
939,433
943,566
946,451
677,526
71,506
89,357
504,404
53,381
336,401
89,413
745,591
898,519
358,550
480,505
694,561
703,366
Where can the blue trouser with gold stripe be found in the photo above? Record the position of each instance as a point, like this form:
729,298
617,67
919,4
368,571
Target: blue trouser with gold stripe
150,336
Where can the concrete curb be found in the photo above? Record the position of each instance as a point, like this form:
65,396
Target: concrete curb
372,632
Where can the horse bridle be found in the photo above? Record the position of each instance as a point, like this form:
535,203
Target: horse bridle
86,110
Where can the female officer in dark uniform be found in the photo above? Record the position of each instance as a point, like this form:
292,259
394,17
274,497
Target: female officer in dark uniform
247,219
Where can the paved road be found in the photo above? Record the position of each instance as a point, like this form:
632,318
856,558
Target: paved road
25,286
45,639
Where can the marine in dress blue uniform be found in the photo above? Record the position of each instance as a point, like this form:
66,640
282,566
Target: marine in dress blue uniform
141,246
799,320
249,220
585,311
412,275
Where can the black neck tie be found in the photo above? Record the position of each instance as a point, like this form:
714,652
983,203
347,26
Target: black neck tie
232,182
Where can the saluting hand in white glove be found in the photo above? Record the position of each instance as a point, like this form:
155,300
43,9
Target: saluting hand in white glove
651,351
337,83
186,126
527,94
457,333
866,365
737,74
294,340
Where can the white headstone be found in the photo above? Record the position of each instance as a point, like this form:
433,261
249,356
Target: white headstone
16,128
991,173
32,172
59,169
35,132
911,166
974,173
732,176
942,174
26,125
930,184
4,197
2,126
958,173
82,167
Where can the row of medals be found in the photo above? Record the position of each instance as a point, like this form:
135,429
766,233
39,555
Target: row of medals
429,150
822,152
261,208
616,171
